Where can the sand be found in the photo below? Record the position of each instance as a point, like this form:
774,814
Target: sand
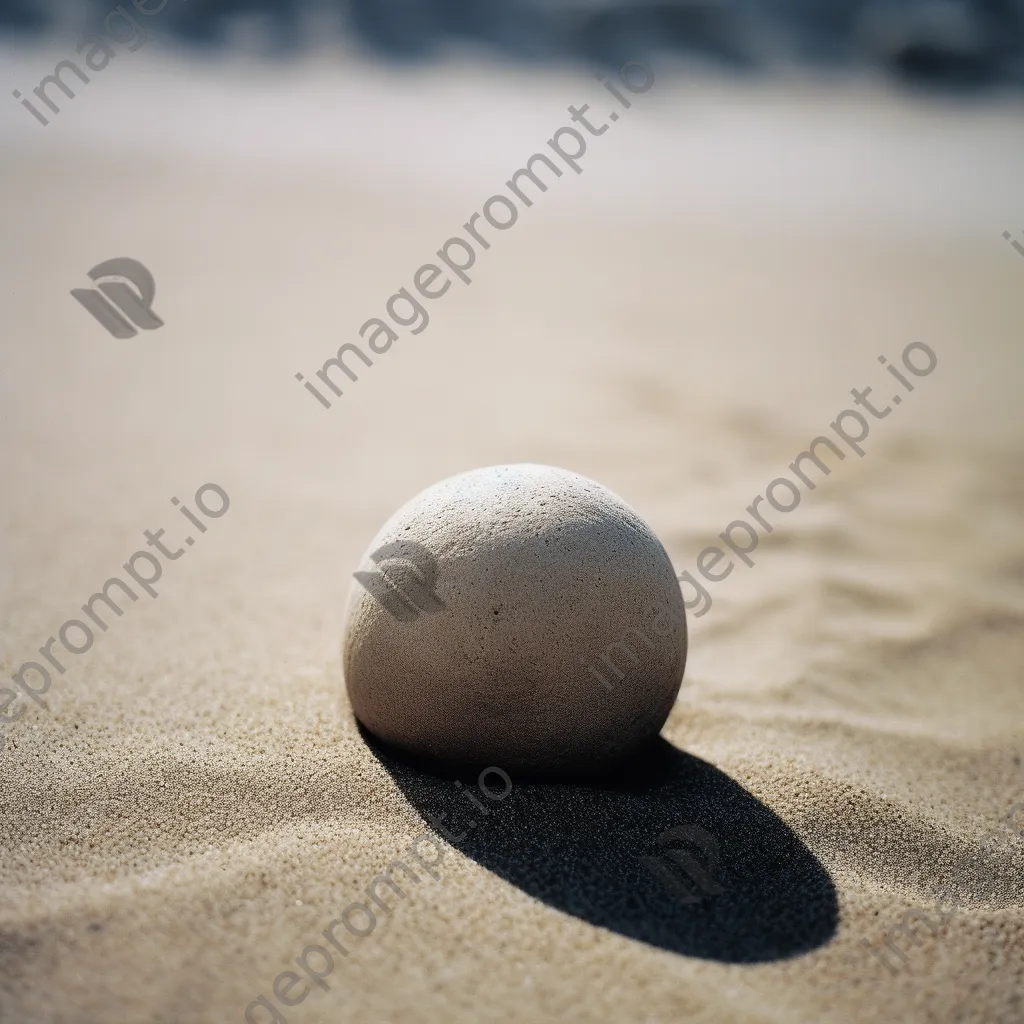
198,805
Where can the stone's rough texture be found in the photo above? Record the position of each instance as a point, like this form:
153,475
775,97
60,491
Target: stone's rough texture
552,637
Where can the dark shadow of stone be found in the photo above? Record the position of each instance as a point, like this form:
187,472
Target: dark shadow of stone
599,851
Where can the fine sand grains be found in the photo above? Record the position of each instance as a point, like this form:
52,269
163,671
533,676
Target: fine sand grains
199,803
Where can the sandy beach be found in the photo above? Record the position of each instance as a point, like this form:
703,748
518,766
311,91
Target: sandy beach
195,804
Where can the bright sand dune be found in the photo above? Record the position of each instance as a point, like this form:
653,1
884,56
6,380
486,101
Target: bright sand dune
677,322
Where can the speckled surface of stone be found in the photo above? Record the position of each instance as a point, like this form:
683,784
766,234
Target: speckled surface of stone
540,625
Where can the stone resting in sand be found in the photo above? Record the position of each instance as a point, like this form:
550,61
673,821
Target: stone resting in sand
519,616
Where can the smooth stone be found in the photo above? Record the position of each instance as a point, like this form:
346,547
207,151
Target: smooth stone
550,640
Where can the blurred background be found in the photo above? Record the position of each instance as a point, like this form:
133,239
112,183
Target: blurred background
808,185
943,42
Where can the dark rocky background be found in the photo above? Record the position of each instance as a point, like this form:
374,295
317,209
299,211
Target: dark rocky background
954,44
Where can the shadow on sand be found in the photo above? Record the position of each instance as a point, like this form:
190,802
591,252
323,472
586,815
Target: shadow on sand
592,850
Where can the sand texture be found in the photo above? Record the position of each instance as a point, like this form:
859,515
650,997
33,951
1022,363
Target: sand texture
197,804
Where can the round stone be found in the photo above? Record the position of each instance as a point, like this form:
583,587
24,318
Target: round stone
518,616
